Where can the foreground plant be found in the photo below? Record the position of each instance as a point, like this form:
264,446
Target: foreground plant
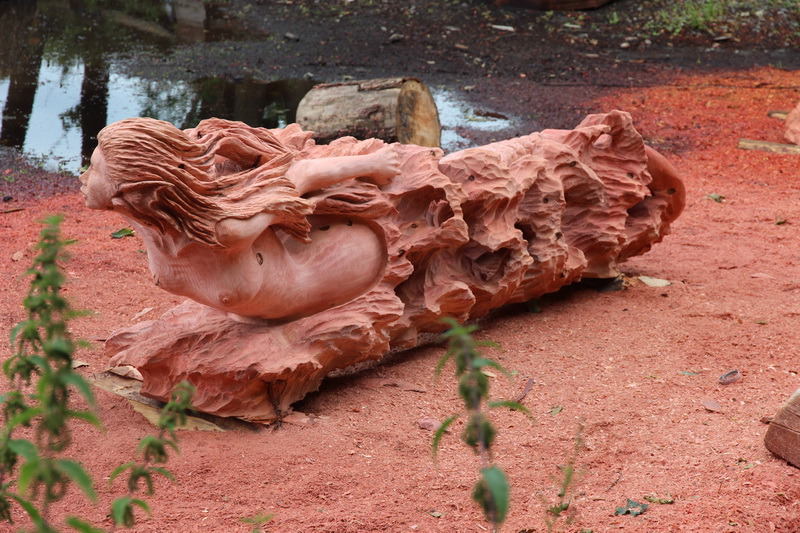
492,490
42,347
43,386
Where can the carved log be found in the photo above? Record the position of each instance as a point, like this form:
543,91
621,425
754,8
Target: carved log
783,435
462,234
392,109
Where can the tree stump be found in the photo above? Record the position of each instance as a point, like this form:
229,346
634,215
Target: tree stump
391,109
783,435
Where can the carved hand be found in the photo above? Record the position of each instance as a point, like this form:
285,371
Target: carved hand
386,165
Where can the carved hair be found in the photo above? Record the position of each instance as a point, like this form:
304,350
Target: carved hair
187,181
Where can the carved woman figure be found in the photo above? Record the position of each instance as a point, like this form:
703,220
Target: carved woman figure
226,212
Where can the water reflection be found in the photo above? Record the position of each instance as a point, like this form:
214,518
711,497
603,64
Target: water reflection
60,81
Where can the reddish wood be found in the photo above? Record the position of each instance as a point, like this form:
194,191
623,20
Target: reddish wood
462,234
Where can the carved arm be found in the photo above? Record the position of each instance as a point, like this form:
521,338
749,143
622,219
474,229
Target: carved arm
313,174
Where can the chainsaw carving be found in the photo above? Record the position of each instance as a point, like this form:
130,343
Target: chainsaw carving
300,259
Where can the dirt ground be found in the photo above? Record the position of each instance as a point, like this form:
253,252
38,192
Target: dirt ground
632,368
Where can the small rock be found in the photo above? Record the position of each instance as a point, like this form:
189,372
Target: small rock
17,256
7,198
626,44
291,37
396,37
654,282
462,46
712,407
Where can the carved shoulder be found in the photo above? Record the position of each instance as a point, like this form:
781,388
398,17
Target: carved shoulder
239,233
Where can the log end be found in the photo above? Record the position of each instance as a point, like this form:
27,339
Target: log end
417,116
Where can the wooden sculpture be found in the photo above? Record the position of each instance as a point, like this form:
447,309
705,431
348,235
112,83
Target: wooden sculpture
300,259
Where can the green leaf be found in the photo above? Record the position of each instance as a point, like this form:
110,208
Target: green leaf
83,527
122,512
25,448
258,520
124,232
632,508
81,384
120,469
510,404
556,409
28,473
483,362
31,509
76,473
719,198
163,471
437,436
443,361
86,417
688,373
492,494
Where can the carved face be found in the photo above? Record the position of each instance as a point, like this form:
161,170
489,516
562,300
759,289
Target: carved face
97,186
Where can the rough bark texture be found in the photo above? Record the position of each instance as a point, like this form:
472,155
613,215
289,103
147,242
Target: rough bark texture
465,233
392,109
783,435
792,133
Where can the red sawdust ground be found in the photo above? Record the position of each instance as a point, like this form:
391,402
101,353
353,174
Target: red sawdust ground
632,367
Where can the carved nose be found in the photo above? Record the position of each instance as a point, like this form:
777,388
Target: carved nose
84,178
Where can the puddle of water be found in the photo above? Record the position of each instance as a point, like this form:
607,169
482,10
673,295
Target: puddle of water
61,78
61,81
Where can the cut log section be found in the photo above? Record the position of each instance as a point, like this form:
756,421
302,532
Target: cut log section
392,109
778,148
783,435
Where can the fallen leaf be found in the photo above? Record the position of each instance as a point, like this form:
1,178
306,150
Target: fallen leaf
79,364
488,373
429,424
654,282
120,233
719,198
712,407
525,390
141,313
632,508
664,501
436,514
688,373
729,377
556,409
